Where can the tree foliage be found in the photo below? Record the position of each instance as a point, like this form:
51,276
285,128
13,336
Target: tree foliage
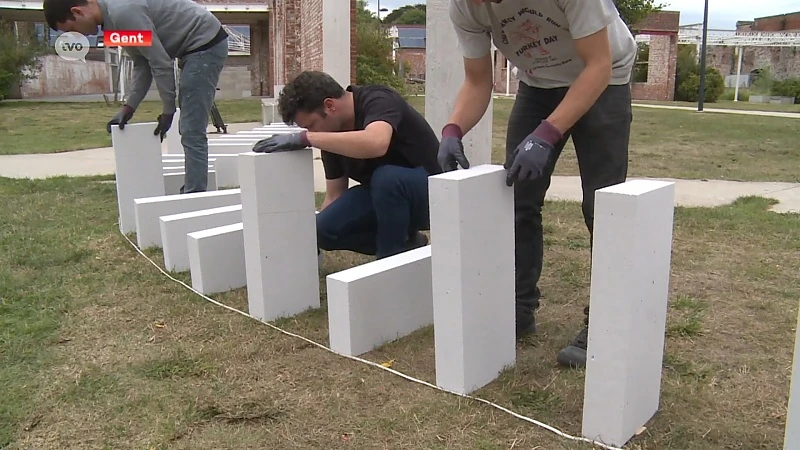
374,64
407,15
634,11
19,57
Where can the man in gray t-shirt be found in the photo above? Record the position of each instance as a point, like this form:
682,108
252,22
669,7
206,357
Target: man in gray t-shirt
574,60
182,30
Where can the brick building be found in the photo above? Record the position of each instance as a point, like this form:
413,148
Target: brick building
409,49
660,30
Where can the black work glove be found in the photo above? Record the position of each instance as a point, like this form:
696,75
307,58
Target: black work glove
124,116
451,149
164,123
531,157
282,143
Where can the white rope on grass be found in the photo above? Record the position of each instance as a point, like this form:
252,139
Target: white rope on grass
370,363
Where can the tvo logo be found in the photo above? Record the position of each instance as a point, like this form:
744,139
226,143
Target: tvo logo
72,46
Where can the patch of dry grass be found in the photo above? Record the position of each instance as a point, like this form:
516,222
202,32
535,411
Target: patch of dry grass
99,350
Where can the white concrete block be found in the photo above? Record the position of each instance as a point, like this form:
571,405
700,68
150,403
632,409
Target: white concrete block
627,308
336,29
379,301
174,180
225,167
137,158
230,148
174,145
175,227
216,259
472,262
792,438
150,209
278,212
444,74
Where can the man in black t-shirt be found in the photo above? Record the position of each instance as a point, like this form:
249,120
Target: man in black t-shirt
372,135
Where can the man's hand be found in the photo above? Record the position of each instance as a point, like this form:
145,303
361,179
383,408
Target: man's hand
164,122
124,115
530,158
282,143
451,149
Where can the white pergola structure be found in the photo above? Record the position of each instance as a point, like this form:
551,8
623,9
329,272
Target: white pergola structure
693,34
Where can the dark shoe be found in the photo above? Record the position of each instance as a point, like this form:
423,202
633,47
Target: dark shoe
418,240
526,322
574,355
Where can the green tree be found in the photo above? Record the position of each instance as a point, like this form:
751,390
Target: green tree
19,57
634,11
374,63
411,17
396,14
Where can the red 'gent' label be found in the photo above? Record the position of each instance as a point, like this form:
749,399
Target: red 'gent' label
128,38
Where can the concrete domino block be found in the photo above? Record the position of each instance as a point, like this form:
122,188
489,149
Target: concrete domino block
627,308
137,155
150,209
174,145
380,301
278,212
216,259
792,438
224,165
174,180
175,227
444,74
472,262
336,28
230,148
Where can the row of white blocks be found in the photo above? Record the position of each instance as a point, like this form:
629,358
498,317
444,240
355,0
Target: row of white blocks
265,239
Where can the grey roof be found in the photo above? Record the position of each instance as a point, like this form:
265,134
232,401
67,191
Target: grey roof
411,37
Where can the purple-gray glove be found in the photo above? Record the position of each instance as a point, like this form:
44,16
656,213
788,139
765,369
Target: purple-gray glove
282,143
530,158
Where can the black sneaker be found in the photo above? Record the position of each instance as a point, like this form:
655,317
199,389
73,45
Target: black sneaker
418,240
526,322
574,355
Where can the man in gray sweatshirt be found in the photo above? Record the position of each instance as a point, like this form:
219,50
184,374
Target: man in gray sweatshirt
182,30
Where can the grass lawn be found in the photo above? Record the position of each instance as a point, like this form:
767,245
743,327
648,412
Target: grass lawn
49,127
679,144
99,350
730,104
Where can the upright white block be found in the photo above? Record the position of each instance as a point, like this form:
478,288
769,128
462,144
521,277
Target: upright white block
137,155
444,73
472,262
226,169
280,233
379,301
174,180
336,28
627,308
216,259
175,227
792,439
150,209
174,145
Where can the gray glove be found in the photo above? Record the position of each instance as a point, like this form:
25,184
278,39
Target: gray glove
451,149
124,115
531,157
282,143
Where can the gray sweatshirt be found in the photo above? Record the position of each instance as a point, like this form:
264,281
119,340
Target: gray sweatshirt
177,25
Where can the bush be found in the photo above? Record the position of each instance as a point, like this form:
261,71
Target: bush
789,87
688,90
730,94
374,63
19,60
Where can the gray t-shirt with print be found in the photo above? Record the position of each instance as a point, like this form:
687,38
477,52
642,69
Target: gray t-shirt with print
537,36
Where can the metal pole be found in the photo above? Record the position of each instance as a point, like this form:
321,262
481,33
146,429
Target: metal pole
738,73
508,77
379,10
703,61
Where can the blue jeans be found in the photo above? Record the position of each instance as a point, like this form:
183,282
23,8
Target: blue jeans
198,84
379,218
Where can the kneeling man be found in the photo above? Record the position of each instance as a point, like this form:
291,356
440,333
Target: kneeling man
372,135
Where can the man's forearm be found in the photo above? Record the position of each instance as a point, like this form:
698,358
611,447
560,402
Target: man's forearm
140,82
354,144
471,104
581,96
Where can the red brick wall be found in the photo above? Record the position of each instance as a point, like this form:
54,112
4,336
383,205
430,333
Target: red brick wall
353,43
661,21
311,34
414,58
662,65
783,22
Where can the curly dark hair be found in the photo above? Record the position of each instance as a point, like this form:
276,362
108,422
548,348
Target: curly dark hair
58,11
306,93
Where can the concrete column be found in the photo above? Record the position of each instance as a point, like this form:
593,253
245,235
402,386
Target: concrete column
137,156
444,73
792,438
627,308
280,233
472,264
336,29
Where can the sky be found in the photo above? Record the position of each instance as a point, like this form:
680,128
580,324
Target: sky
721,13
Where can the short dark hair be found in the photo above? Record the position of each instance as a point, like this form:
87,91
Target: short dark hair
307,93
58,11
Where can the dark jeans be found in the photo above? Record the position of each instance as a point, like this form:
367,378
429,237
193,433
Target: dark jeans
199,76
601,146
377,219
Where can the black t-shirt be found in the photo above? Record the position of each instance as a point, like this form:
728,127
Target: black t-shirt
413,144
